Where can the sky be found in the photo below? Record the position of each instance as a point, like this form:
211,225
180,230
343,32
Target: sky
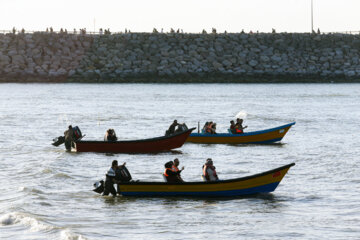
191,16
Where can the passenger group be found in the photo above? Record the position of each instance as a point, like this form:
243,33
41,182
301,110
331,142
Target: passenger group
235,128
172,174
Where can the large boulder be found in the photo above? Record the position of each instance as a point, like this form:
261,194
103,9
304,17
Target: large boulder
4,60
18,60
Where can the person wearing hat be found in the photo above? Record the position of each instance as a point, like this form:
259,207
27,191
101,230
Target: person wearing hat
209,172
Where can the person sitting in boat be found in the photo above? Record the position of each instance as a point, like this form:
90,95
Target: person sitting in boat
239,127
69,137
211,128
232,126
111,179
172,127
176,169
205,127
208,128
110,135
209,172
170,175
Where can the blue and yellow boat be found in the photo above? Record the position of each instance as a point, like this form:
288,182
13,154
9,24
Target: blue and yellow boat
258,137
259,183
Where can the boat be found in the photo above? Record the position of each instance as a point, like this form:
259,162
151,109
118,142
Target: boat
150,145
258,137
259,183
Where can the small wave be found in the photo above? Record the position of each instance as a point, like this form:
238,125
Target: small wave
30,190
26,220
62,175
47,170
67,235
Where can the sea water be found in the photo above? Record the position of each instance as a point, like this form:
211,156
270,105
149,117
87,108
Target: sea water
46,192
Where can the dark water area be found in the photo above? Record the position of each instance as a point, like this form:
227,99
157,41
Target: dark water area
46,191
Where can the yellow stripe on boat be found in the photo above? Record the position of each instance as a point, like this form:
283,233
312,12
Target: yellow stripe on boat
258,137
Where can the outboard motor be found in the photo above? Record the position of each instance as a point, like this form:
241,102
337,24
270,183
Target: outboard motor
77,133
122,174
181,128
58,141
99,186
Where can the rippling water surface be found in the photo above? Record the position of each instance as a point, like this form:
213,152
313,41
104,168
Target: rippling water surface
46,192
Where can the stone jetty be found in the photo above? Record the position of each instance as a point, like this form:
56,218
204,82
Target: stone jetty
179,57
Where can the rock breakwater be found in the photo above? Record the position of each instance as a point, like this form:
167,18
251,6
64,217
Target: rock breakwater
179,57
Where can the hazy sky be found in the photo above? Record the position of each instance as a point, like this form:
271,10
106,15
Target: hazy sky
189,15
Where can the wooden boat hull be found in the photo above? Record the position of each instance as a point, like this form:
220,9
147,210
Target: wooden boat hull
151,145
258,137
260,183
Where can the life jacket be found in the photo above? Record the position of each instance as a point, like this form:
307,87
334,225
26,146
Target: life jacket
210,177
174,168
165,174
237,130
110,175
111,172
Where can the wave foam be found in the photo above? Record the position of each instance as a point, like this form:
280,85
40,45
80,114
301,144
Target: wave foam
26,220
67,235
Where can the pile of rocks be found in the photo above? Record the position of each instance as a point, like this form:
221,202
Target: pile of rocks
177,56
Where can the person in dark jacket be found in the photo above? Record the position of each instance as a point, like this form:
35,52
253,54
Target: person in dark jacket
69,137
111,179
172,127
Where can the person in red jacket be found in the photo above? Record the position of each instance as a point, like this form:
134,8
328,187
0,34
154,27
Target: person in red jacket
239,127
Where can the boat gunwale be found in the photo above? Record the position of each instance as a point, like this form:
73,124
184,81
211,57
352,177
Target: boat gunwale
242,134
214,182
139,140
